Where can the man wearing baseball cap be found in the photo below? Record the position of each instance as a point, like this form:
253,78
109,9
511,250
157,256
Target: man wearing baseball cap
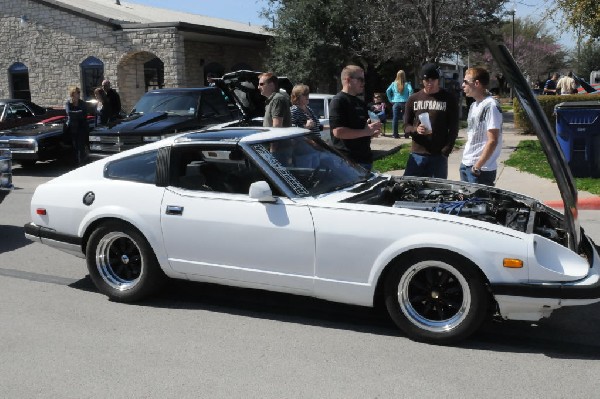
431,120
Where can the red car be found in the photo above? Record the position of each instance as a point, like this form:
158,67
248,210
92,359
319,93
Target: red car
14,112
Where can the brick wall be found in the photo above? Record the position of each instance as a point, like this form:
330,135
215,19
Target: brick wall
54,43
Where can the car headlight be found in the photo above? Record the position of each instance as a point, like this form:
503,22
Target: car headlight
95,138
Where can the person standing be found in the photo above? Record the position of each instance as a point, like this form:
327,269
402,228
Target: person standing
113,101
302,114
431,120
566,85
484,130
550,86
277,105
77,125
398,93
349,119
101,107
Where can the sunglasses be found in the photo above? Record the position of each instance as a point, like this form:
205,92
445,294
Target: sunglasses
465,81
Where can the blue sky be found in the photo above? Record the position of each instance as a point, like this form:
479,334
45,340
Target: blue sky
248,10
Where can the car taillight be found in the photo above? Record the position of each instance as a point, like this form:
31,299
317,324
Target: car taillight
40,211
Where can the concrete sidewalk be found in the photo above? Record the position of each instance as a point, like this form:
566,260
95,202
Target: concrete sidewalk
507,178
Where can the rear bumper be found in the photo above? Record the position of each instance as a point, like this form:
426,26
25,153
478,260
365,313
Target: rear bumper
63,242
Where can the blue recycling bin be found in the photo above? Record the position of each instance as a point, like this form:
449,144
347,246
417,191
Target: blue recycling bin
578,134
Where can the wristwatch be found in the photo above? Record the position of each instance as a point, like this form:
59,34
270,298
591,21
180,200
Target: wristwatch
475,170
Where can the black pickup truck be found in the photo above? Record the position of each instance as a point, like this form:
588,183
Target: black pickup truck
161,113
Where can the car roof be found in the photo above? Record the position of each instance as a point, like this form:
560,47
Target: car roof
320,96
180,90
240,134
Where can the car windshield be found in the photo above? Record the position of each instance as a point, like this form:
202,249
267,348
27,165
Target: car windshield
175,103
308,166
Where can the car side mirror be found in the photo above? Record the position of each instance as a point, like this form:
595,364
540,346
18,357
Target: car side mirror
261,191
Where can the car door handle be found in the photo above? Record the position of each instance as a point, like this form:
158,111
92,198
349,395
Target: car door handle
174,210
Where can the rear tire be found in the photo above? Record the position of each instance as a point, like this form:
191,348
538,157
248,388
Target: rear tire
436,297
122,264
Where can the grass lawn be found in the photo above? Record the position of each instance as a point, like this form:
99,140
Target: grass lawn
529,157
398,159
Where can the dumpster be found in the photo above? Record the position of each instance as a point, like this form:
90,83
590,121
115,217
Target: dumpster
578,134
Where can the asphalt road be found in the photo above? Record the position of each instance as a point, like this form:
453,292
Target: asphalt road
60,338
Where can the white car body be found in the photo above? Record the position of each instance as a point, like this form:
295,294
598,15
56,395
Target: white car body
327,245
279,210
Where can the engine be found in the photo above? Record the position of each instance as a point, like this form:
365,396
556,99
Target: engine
478,202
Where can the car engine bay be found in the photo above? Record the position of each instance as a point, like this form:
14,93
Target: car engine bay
472,201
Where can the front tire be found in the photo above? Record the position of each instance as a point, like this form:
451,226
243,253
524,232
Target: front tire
122,264
437,298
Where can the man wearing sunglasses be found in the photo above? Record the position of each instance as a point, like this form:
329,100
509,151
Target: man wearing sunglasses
349,119
277,105
431,120
484,130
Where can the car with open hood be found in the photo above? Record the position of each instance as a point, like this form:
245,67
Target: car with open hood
277,209
17,112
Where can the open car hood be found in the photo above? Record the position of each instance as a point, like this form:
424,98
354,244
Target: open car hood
241,87
545,133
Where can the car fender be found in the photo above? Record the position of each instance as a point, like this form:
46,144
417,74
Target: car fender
490,262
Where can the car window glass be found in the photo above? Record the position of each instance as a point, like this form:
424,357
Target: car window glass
308,166
2,107
212,103
178,103
139,168
219,169
318,107
20,111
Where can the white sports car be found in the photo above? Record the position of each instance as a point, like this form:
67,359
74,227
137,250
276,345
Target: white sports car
276,209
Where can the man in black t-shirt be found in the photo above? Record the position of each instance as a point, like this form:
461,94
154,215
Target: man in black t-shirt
349,119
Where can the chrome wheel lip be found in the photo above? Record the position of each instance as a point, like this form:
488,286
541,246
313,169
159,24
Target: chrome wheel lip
419,320
106,270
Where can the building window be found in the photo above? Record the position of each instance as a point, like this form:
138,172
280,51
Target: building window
92,73
154,74
19,81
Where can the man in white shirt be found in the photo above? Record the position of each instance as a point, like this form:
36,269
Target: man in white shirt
484,130
566,85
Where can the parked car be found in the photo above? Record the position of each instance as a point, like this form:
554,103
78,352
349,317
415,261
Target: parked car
319,103
585,87
241,89
39,141
5,173
15,112
161,113
280,210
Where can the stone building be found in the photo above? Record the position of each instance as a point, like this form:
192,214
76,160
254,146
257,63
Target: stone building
49,45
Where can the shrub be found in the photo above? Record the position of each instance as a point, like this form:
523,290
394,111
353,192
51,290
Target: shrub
548,104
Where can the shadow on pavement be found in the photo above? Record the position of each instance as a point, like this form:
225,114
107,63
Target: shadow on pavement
566,335
12,238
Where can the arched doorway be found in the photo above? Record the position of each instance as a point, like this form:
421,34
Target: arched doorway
92,74
19,81
137,73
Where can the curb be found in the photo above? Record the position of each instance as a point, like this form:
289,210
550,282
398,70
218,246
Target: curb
590,204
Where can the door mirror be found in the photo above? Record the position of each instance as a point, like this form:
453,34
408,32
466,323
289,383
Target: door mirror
261,191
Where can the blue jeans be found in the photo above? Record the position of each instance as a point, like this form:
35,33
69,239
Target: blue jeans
398,114
485,177
421,165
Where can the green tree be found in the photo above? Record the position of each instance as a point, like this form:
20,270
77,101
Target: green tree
582,15
313,39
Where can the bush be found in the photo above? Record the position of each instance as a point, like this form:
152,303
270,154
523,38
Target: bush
548,103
